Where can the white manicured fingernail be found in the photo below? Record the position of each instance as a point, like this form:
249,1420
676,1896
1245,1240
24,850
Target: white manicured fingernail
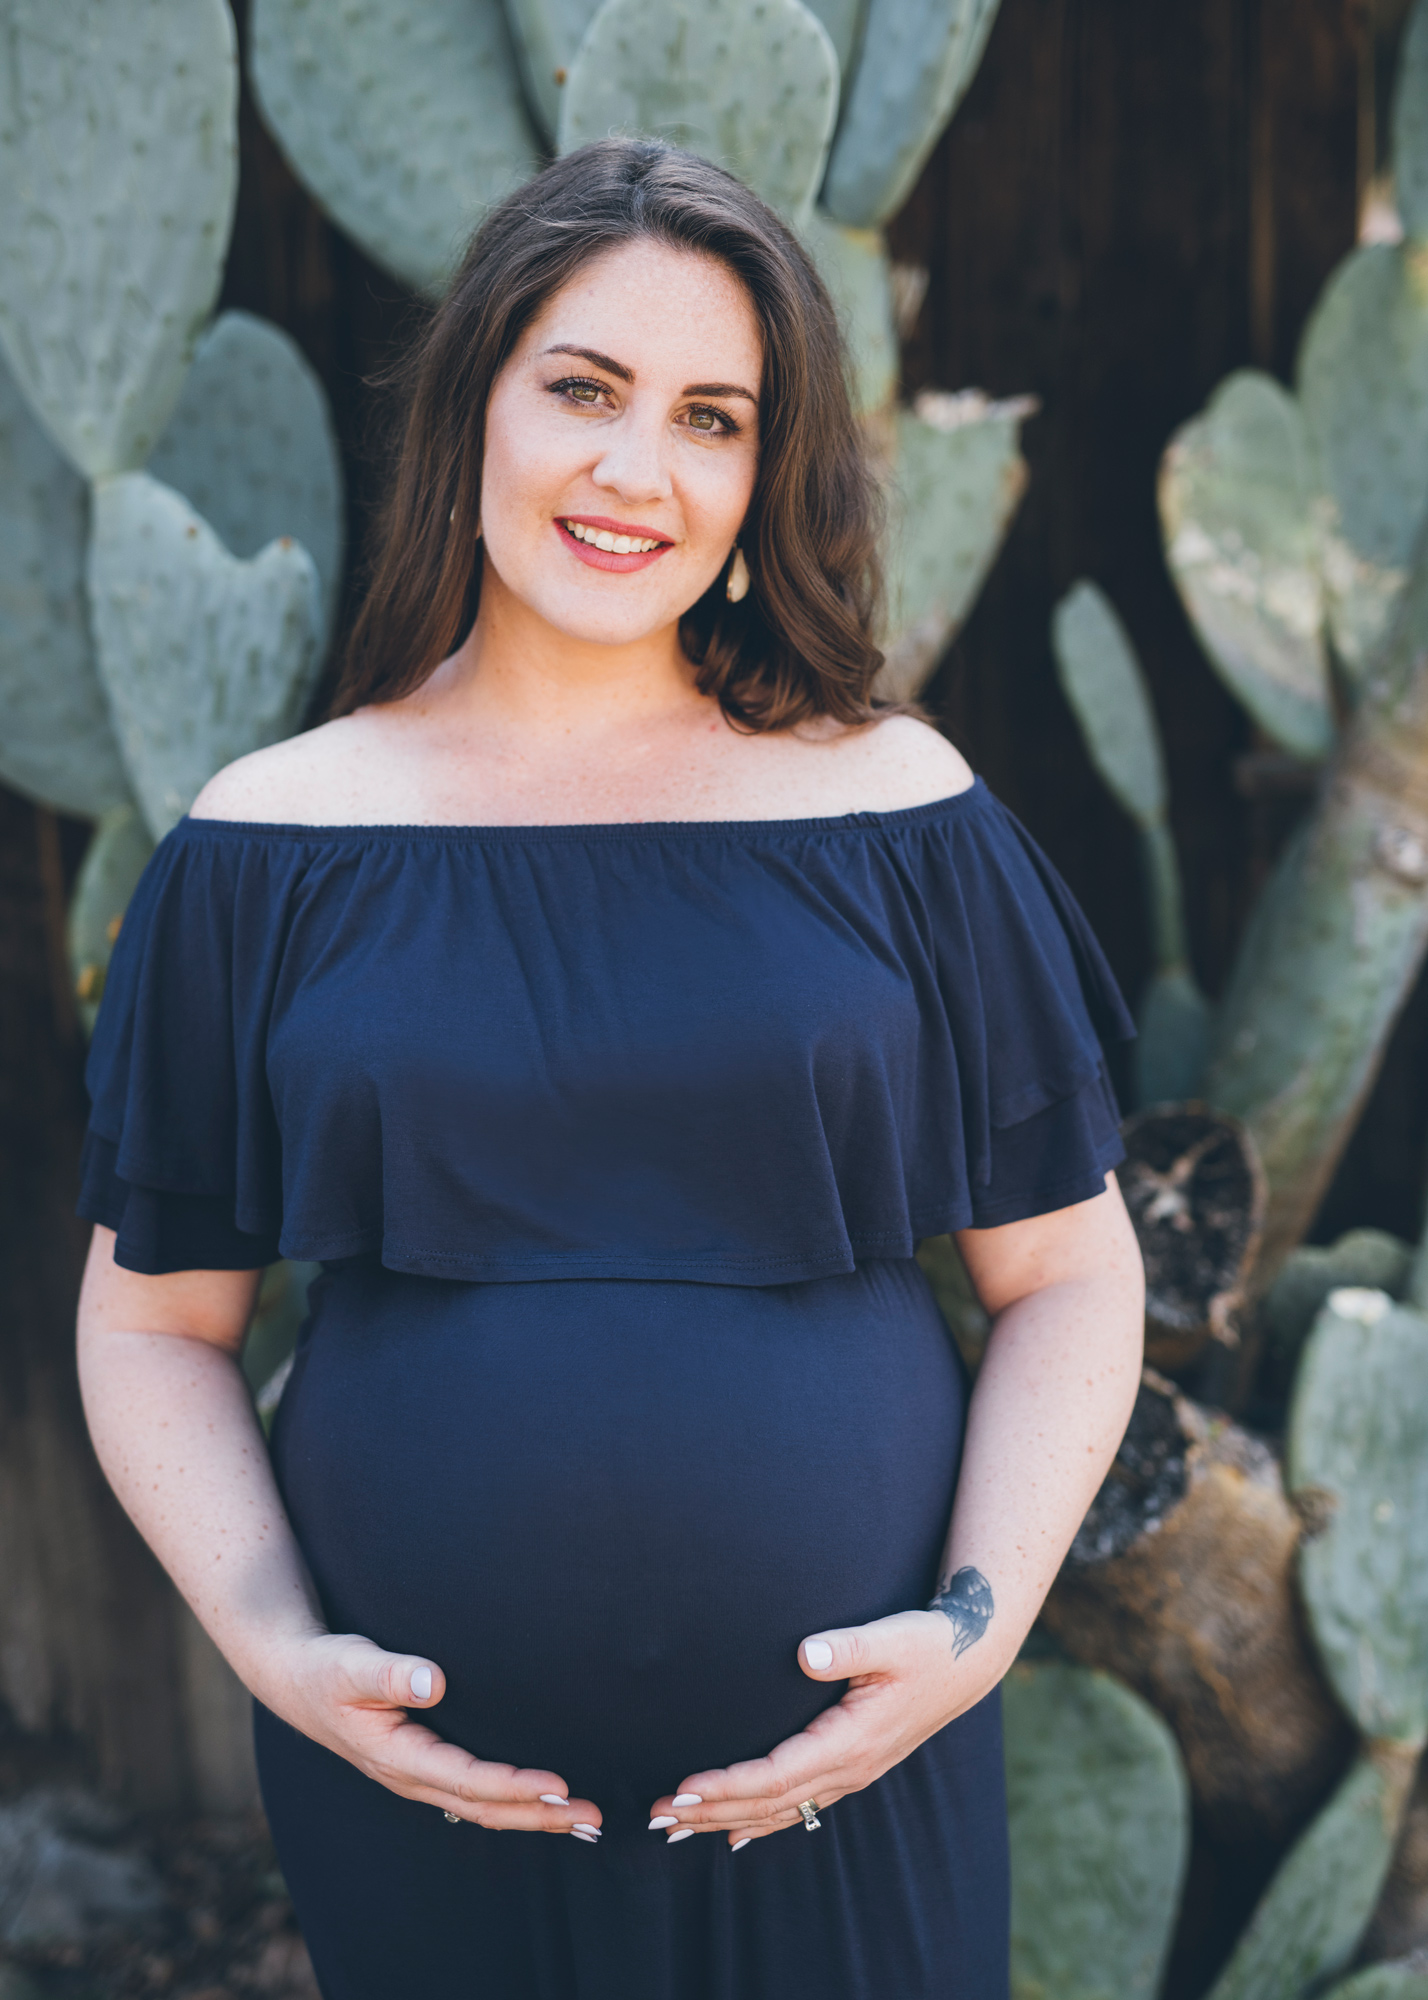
553,1799
684,1834
584,1826
663,1820
818,1653
590,1839
741,1843
421,1683
687,1799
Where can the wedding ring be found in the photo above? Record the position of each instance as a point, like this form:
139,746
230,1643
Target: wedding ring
455,1818
809,1809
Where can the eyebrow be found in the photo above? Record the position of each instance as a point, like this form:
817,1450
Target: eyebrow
618,368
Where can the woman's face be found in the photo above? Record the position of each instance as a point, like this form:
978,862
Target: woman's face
628,412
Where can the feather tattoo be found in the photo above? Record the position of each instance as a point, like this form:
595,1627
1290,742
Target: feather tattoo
967,1601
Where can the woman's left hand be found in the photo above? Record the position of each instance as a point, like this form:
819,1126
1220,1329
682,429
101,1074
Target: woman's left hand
904,1684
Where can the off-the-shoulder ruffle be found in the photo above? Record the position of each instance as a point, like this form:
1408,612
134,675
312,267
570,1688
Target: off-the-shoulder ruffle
734,1052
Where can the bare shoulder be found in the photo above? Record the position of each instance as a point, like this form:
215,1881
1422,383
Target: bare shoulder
308,780
901,761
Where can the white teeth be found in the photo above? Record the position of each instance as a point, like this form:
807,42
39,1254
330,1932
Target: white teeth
620,545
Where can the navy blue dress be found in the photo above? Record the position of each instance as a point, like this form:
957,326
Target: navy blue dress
615,1144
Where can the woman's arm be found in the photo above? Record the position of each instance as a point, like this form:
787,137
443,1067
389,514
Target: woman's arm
174,1429
1051,1403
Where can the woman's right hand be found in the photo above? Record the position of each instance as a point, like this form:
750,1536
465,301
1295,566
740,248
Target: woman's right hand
347,1694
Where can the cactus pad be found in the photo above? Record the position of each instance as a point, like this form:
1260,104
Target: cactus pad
844,21
1358,1439
251,446
1366,1258
405,119
1237,509
749,84
1310,1919
1101,678
853,264
1363,384
119,162
1383,1982
547,35
1100,1812
919,57
113,863
1410,126
57,744
204,656
956,484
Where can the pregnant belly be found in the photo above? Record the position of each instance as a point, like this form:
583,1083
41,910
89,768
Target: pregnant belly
612,1509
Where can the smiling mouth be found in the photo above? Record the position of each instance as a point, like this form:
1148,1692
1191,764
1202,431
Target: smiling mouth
626,542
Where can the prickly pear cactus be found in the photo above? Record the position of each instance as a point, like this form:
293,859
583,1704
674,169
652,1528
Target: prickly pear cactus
547,35
404,118
853,264
1409,127
749,84
251,446
955,485
1105,687
113,863
1100,1827
1358,1447
1237,507
1363,382
204,656
57,744
918,57
119,162
1309,1921
1362,1258
1383,1982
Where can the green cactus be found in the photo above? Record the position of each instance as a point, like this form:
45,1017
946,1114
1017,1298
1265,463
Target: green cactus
58,743
1309,1921
1100,1827
1362,1257
854,266
1409,127
1237,507
204,656
547,35
119,162
113,863
749,84
956,482
1383,1982
1105,687
918,57
404,118
251,447
844,21
1363,382
1358,1444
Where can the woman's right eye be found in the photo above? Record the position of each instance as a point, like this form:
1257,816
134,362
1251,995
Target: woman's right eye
579,390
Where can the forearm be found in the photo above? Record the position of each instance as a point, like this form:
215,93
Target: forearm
1050,1406
174,1429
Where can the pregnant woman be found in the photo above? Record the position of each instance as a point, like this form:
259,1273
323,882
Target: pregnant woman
609,995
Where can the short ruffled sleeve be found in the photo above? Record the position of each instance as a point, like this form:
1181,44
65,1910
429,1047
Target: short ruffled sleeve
182,1157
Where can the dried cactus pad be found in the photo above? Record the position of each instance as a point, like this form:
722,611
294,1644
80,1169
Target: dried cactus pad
1310,1919
958,478
1358,1444
205,657
405,119
1410,129
853,264
1363,384
1101,678
119,163
1237,508
749,84
1100,1814
113,863
918,58
547,35
251,446
57,743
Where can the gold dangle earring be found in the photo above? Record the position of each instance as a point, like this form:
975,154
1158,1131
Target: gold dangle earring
737,587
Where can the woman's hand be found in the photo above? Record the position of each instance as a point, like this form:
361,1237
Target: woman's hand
904,1684
353,1698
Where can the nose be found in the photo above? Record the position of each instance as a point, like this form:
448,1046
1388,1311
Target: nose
633,462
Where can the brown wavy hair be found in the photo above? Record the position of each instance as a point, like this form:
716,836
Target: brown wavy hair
800,644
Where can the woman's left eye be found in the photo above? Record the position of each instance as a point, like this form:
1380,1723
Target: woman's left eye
710,422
